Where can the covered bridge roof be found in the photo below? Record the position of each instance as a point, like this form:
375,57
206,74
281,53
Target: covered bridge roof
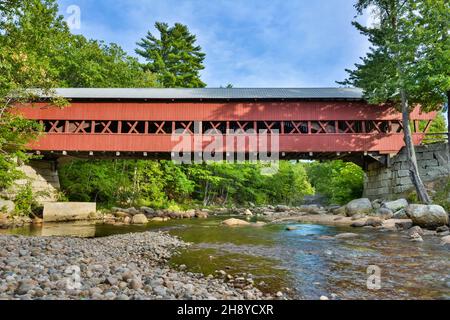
211,93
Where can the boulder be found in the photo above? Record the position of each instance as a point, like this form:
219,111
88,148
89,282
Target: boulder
415,237
374,222
148,211
6,206
358,224
139,219
310,208
281,208
235,222
121,214
400,214
384,213
376,204
341,211
442,229
445,240
247,212
415,230
395,224
427,216
201,214
359,206
347,235
395,205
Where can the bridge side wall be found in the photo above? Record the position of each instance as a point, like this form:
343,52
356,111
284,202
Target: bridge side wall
394,181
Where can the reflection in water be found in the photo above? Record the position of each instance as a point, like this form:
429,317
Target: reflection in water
301,259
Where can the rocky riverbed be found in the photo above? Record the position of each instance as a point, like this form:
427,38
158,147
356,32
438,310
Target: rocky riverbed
123,267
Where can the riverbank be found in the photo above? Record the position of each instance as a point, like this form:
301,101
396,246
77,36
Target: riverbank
123,267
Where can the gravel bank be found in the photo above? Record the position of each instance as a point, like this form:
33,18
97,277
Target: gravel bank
128,266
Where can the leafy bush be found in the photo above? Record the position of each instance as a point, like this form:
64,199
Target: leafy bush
25,202
339,181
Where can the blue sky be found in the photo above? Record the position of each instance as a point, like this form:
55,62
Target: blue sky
248,43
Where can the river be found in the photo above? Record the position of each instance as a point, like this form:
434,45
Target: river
305,261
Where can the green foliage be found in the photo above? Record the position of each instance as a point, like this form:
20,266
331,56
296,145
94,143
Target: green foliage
163,184
25,202
173,57
442,196
410,52
339,181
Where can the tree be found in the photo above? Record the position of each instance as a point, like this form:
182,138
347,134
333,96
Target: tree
90,63
407,64
30,33
173,57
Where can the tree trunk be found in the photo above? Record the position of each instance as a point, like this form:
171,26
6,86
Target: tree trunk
411,153
448,121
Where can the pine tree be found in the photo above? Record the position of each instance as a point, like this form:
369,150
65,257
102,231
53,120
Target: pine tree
173,57
408,63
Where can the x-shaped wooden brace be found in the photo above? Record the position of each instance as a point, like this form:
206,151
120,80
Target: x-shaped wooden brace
376,124
269,126
323,127
106,127
241,127
159,127
296,128
79,127
215,127
132,127
350,127
187,127
54,125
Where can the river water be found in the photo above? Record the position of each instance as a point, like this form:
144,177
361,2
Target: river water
303,260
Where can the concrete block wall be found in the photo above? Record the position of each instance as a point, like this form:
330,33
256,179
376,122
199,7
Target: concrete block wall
394,181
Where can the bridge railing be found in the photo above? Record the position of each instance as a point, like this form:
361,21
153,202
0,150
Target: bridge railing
435,137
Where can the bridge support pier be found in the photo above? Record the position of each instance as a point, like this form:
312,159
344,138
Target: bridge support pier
393,181
43,177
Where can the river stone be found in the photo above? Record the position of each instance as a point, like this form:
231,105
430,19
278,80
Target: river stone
374,222
445,240
427,216
396,205
442,229
6,206
347,235
340,211
281,208
139,219
201,214
147,211
291,228
25,286
235,222
385,213
359,206
400,214
247,212
415,229
358,224
310,208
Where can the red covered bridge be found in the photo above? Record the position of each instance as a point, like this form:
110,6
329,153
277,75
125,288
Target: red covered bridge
311,122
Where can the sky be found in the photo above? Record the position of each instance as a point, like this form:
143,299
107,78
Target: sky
248,43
